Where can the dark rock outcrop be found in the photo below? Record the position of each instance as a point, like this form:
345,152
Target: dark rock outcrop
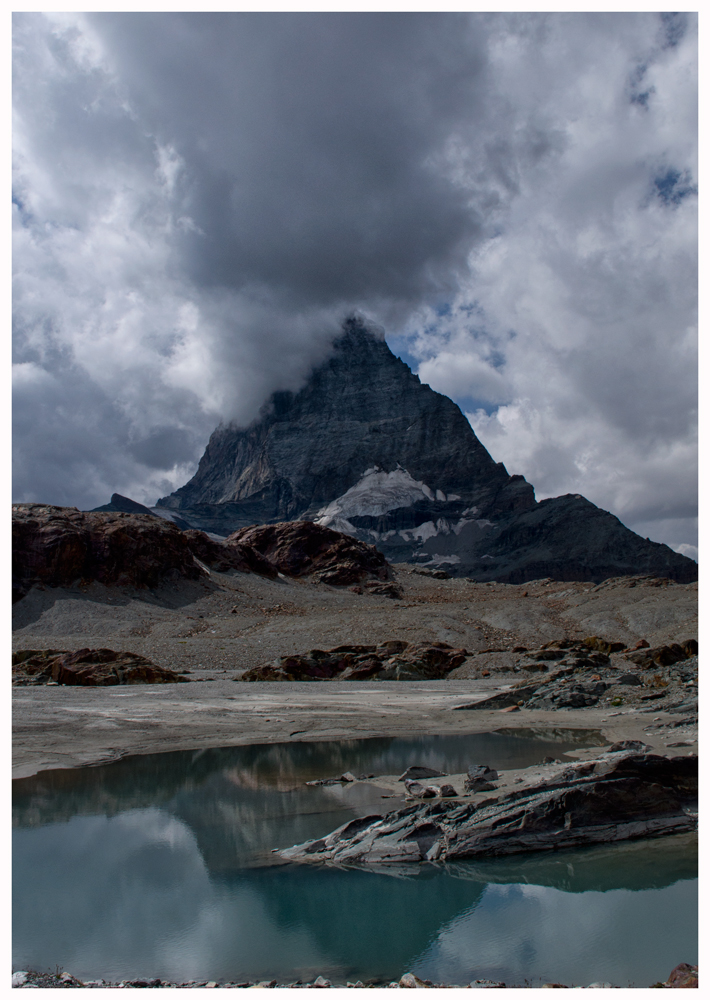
575,677
619,796
390,661
88,668
365,448
223,556
302,548
60,546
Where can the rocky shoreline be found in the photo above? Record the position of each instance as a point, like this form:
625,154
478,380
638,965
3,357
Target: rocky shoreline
683,976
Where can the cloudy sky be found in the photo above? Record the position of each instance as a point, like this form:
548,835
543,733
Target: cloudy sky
199,199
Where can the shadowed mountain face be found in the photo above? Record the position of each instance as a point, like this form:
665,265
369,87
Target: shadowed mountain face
366,449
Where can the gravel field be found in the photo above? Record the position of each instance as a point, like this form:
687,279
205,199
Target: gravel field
219,628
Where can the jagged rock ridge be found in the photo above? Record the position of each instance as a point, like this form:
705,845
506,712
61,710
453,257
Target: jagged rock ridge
366,449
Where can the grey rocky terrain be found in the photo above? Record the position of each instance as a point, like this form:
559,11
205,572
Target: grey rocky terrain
214,629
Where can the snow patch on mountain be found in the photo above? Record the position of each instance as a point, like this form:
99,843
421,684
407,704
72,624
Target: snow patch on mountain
376,493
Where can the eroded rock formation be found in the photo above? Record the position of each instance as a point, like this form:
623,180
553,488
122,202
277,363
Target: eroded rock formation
61,546
302,548
621,795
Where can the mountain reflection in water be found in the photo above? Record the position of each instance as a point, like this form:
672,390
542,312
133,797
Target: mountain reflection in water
161,867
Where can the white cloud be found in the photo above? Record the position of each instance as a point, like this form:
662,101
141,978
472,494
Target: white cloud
587,295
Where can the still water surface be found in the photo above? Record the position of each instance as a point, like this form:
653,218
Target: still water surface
161,866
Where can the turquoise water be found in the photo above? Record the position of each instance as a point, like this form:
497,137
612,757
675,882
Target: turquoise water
161,866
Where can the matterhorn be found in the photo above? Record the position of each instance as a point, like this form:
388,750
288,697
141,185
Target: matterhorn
366,449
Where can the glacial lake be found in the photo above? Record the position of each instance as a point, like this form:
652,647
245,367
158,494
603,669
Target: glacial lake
161,867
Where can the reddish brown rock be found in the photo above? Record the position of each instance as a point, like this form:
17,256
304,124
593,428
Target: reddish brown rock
393,660
664,656
88,668
60,546
302,548
222,557
603,645
684,977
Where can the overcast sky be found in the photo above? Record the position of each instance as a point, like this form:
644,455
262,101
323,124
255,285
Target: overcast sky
199,199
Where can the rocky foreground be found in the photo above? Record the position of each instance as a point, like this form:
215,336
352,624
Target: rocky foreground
684,976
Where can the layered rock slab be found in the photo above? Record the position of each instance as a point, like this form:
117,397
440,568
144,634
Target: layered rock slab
621,795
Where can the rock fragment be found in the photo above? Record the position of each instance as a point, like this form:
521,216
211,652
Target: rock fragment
416,771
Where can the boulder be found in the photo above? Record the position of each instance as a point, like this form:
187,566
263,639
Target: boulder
301,548
88,668
420,791
683,977
617,796
393,660
411,982
663,656
595,642
480,778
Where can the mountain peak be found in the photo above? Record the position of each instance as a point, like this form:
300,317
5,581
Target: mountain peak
364,447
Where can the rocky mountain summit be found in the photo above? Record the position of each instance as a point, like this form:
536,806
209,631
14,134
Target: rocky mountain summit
364,448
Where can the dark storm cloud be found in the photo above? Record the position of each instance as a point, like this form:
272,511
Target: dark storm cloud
309,144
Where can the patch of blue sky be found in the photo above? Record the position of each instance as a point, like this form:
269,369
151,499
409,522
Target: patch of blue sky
397,346
472,404
673,186
674,27
639,94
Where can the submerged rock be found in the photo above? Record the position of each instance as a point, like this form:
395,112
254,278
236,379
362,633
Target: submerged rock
621,795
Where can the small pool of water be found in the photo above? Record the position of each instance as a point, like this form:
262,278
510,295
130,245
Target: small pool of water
161,866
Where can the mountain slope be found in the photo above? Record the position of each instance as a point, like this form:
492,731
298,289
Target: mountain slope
365,448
